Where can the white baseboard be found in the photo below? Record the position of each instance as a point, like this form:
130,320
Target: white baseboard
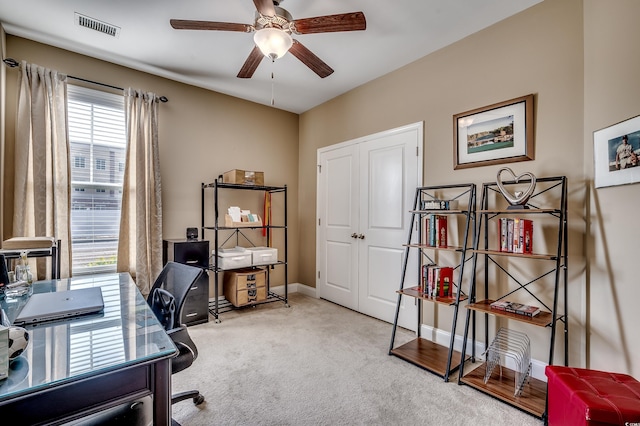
442,337
296,288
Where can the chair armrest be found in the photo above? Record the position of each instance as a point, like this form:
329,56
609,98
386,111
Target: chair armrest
187,350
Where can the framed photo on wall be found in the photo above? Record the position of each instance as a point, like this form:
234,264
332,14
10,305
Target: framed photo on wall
616,154
495,134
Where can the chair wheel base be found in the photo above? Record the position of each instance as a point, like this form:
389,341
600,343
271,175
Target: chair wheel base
194,395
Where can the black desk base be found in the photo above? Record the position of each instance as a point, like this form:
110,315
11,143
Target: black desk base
71,401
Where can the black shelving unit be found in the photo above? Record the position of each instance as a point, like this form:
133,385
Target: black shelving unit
223,234
53,252
436,358
545,275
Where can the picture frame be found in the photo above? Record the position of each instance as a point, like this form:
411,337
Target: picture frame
616,153
494,134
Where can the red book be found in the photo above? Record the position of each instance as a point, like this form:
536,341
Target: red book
425,231
446,281
442,231
527,236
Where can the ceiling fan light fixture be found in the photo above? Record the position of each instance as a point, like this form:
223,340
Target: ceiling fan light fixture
272,42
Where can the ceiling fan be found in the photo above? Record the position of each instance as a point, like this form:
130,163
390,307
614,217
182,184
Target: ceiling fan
273,27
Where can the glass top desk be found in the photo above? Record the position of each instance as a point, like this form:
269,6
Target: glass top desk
75,367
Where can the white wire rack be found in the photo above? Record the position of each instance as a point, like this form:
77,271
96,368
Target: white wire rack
513,345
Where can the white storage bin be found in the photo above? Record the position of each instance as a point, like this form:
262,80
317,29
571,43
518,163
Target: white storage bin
233,258
263,255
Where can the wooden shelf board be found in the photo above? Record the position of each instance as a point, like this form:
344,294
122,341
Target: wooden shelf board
543,319
517,211
533,396
427,247
508,253
415,292
243,186
438,211
428,355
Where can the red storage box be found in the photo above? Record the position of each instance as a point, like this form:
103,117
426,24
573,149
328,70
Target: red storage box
579,396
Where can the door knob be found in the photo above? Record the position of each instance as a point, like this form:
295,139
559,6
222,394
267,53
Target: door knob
354,235
361,236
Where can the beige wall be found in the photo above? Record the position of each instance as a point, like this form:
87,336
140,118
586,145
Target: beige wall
202,134
612,94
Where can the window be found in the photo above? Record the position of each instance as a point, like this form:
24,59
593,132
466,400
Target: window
96,136
79,162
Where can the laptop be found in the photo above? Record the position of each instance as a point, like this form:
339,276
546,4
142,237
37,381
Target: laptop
58,305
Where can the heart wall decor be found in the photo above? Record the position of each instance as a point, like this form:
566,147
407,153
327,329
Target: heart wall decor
518,199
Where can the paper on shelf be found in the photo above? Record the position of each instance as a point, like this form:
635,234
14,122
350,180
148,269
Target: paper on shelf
235,213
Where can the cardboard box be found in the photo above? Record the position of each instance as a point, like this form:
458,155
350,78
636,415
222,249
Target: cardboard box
243,177
263,255
232,258
245,286
25,243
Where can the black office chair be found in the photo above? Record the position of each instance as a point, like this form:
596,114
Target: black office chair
166,299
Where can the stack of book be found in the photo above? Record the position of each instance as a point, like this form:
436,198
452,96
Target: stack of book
516,235
435,230
437,281
435,204
515,308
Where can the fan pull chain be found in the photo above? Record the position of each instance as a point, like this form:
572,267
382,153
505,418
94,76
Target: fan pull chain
272,91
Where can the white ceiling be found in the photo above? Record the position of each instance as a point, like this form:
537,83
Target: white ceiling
398,32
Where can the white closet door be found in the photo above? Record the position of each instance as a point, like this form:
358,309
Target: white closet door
365,192
337,255
388,178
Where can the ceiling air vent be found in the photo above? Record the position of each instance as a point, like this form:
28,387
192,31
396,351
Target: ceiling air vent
94,24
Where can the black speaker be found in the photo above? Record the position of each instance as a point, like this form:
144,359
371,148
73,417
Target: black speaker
192,234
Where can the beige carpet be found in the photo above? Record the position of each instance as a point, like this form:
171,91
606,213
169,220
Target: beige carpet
317,363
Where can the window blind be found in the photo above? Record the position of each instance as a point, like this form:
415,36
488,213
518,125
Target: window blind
97,139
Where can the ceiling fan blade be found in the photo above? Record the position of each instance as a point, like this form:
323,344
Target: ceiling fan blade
182,24
265,7
309,59
354,21
251,63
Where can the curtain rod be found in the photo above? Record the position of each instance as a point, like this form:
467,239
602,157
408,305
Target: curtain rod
12,63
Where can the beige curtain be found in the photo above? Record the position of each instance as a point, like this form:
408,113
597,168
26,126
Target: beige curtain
42,191
140,242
